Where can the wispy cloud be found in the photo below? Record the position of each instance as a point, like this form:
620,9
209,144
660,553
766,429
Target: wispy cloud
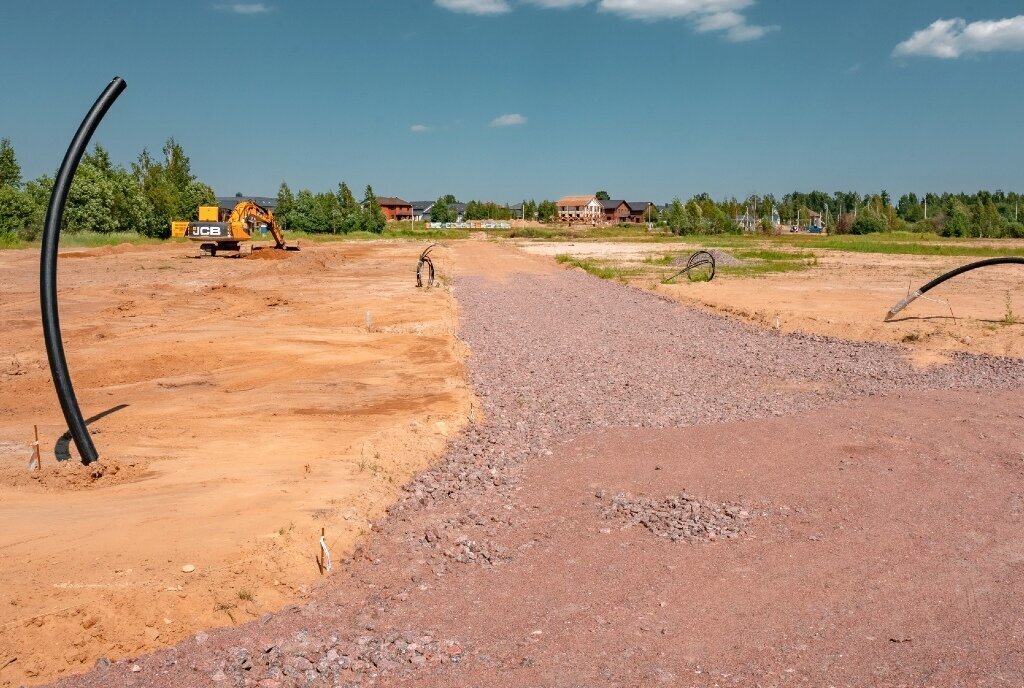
475,6
419,128
952,38
509,120
706,16
559,4
244,7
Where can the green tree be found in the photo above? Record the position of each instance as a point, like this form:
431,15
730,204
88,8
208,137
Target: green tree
442,210
348,202
10,170
327,213
17,212
302,214
285,205
170,188
909,208
373,219
868,222
530,210
958,220
676,217
602,196
547,211
351,211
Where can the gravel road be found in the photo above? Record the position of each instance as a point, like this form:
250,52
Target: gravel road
555,357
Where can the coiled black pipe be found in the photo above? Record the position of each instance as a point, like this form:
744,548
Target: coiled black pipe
425,260
698,259
948,276
48,271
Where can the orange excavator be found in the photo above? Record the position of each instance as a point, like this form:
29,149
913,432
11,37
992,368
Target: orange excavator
221,230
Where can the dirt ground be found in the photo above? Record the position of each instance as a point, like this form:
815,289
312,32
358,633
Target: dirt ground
847,295
880,544
241,406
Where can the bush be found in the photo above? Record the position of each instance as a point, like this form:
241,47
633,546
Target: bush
868,223
1015,230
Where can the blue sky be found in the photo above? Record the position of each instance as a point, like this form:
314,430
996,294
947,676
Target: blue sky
506,99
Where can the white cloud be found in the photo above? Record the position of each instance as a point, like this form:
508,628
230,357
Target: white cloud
244,7
559,4
672,9
510,120
951,38
419,128
706,15
475,6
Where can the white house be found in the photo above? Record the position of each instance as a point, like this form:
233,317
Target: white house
580,209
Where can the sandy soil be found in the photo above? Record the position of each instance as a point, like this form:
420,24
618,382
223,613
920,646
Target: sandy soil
848,294
245,405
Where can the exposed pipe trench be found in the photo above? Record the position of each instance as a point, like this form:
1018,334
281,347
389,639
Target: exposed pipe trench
48,271
913,296
425,260
698,259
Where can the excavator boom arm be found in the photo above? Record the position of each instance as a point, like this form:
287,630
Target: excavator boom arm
250,211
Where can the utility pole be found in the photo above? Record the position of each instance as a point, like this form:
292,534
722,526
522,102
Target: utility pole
926,206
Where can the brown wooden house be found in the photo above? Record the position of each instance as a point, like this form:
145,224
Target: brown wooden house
638,211
395,208
615,212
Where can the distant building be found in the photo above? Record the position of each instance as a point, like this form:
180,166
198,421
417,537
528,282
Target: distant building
615,212
229,202
580,209
421,210
395,209
640,211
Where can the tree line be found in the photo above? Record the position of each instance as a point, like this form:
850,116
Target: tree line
545,211
104,196
329,212
992,214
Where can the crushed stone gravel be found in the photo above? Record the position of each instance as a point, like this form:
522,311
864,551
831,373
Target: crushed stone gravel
679,517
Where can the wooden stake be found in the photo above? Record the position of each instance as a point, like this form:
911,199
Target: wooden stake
320,562
38,456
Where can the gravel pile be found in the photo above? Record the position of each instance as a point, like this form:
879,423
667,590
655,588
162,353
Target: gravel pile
300,661
552,357
682,517
722,259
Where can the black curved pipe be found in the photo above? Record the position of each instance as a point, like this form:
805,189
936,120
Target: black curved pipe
48,271
696,260
948,276
425,260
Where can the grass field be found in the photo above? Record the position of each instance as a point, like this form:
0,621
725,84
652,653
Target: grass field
752,246
905,243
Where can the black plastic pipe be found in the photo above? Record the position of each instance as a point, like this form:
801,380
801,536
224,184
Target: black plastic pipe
913,296
48,271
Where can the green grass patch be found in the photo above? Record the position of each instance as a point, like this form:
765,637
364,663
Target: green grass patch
602,270
11,241
771,255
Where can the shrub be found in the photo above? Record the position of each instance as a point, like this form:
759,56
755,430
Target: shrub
868,223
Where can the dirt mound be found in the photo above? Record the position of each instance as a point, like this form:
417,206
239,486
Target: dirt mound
72,475
101,251
680,517
267,254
